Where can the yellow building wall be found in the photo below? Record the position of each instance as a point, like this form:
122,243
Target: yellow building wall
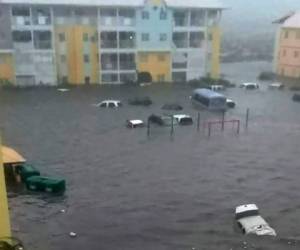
7,71
75,53
288,64
215,56
4,214
151,62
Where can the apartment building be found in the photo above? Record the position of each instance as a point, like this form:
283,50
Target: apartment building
108,41
287,46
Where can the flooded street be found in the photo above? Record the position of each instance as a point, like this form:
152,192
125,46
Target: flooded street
126,191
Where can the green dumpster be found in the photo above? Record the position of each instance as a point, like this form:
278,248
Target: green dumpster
26,171
46,184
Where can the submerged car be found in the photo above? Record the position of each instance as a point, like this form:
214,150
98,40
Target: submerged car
249,85
182,119
162,120
109,104
250,221
217,87
276,85
134,123
230,103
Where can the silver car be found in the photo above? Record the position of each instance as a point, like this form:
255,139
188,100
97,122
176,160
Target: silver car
250,222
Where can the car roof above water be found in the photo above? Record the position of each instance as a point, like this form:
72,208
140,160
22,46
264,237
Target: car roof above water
246,208
208,93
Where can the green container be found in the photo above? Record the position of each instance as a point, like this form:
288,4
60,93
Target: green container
27,171
46,184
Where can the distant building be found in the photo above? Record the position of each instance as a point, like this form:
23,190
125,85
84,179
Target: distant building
108,41
287,46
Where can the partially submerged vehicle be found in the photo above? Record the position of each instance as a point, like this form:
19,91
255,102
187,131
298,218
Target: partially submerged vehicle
230,103
276,85
296,97
162,120
134,123
183,119
46,184
172,106
142,101
250,221
209,99
109,104
249,85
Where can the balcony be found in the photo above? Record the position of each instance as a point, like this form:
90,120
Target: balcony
196,39
21,16
41,16
180,18
127,62
108,17
42,40
127,40
109,62
109,40
180,39
198,18
22,40
126,17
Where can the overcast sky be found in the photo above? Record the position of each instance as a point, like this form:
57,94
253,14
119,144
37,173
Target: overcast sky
255,16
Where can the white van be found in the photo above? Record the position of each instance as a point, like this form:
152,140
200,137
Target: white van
109,104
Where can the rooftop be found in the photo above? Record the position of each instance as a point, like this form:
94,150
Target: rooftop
293,21
212,4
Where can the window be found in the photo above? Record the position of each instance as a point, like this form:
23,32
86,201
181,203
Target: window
63,58
163,15
286,34
87,80
163,37
85,37
144,58
145,37
296,54
86,58
22,36
161,58
20,11
145,15
284,53
61,37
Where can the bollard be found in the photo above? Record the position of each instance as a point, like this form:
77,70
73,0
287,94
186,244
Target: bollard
223,119
198,122
247,117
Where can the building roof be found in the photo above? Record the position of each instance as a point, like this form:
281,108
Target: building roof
211,4
10,156
293,21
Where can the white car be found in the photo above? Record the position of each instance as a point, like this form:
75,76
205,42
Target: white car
182,119
250,222
135,123
276,85
230,103
216,87
249,85
109,104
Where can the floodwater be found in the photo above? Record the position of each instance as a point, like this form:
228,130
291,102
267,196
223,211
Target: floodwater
129,192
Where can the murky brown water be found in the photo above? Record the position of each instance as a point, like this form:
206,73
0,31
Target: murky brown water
125,191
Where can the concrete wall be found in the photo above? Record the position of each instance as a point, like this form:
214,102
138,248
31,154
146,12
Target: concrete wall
5,28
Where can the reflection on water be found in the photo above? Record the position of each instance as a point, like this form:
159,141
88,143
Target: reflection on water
127,191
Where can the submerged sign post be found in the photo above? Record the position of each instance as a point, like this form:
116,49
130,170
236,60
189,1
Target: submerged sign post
4,214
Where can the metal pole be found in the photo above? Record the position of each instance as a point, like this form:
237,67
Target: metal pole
198,122
223,119
209,129
172,126
238,127
148,127
247,117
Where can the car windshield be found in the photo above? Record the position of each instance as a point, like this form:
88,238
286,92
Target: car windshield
246,214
